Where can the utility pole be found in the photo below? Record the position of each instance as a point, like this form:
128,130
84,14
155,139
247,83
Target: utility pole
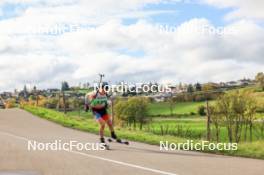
101,80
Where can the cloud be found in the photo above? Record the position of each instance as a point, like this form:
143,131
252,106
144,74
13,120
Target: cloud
252,9
195,50
45,70
183,55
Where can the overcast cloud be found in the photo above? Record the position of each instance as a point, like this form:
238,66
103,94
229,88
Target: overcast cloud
46,42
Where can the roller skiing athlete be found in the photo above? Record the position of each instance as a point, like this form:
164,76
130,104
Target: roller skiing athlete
98,103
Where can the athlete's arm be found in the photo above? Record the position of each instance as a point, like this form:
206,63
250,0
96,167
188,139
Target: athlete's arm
87,101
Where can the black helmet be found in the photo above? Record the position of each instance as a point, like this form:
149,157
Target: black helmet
105,85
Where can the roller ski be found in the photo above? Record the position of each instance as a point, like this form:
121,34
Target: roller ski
105,145
117,140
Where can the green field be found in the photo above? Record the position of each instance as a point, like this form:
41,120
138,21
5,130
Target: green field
194,128
163,108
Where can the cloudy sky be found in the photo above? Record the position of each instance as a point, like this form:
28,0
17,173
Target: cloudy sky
44,42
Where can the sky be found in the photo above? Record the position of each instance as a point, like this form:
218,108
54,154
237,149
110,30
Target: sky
45,42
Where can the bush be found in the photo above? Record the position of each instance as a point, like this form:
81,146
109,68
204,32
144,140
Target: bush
260,106
11,103
192,113
133,110
42,101
52,103
238,111
75,103
201,110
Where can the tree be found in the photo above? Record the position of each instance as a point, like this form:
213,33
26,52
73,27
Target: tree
25,88
135,109
51,103
190,88
10,103
120,112
216,119
260,79
171,101
180,86
25,92
210,86
198,87
237,110
65,86
250,114
201,110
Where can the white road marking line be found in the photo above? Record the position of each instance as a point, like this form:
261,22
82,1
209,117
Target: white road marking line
101,158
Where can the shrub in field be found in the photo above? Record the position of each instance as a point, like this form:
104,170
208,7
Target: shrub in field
217,120
75,103
63,104
260,105
31,101
192,113
51,103
132,111
119,110
41,101
237,111
171,102
10,103
201,110
34,101
260,80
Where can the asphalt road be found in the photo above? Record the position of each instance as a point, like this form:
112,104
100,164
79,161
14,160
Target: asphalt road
18,127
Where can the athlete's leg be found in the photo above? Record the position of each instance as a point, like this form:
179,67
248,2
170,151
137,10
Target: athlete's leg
111,128
102,127
110,124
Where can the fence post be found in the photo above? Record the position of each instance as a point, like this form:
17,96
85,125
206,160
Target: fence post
37,99
58,105
64,102
208,121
